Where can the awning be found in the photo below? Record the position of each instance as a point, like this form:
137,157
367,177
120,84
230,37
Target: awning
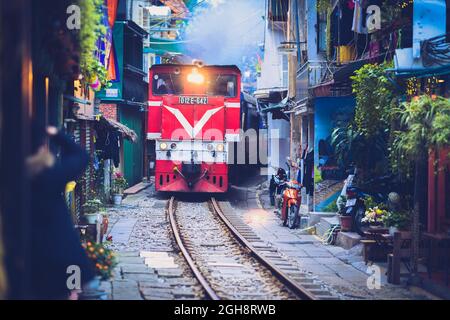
275,108
407,66
162,46
270,93
75,99
178,7
301,107
126,132
345,72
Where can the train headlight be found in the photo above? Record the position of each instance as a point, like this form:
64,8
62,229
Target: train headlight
163,146
220,147
210,147
173,146
195,77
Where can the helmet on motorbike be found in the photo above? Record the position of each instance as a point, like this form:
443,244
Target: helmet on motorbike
281,172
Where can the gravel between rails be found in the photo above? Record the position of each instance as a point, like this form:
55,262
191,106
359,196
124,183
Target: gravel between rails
230,270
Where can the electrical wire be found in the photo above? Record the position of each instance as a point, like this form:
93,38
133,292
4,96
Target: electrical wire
436,51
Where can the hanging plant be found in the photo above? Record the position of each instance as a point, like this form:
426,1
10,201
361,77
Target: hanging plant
374,97
323,5
328,35
92,29
426,124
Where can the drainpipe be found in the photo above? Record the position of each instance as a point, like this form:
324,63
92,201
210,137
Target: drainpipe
297,31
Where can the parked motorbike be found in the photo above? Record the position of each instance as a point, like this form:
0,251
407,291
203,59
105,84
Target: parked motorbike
290,200
277,184
378,188
285,196
291,204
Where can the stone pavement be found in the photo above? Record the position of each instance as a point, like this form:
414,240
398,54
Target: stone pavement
343,270
149,267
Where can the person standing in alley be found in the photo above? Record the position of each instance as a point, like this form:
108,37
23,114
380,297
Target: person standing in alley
56,246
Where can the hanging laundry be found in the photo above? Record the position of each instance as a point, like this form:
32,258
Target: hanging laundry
108,145
358,17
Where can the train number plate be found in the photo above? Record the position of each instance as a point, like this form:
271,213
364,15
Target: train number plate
193,100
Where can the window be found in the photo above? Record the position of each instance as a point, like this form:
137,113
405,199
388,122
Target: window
222,85
215,85
322,33
284,70
167,83
278,10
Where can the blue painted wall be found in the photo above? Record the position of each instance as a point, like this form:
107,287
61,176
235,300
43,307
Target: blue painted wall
329,113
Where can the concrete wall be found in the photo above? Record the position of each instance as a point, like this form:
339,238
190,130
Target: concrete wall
279,143
271,77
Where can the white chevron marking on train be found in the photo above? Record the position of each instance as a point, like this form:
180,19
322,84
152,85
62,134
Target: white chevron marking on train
192,131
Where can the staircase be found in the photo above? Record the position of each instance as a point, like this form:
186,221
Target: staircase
325,224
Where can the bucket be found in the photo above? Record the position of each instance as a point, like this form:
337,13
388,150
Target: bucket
117,199
304,222
346,223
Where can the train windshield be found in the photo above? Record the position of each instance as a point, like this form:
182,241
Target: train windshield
221,85
167,83
212,85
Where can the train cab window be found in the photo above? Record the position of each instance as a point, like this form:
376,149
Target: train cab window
222,85
166,83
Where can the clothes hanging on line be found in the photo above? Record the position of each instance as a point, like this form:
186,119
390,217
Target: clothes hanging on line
108,143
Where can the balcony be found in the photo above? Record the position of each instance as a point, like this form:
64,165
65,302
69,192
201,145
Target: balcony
278,13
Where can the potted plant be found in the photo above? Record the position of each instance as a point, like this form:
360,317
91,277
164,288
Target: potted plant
345,220
375,215
91,210
397,221
118,186
104,260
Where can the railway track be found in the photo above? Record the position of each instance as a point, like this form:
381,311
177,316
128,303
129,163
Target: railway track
230,261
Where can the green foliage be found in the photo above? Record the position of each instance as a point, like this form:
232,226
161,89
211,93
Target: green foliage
92,206
119,183
91,29
348,145
399,219
340,203
323,5
332,207
102,74
328,36
390,12
425,123
317,175
364,142
102,257
370,202
374,98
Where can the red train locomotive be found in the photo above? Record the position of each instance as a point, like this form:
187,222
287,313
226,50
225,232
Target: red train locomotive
194,112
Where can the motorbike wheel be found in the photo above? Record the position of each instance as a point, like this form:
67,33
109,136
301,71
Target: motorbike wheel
292,217
285,221
359,215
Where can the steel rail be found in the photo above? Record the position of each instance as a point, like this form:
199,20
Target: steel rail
296,288
203,282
